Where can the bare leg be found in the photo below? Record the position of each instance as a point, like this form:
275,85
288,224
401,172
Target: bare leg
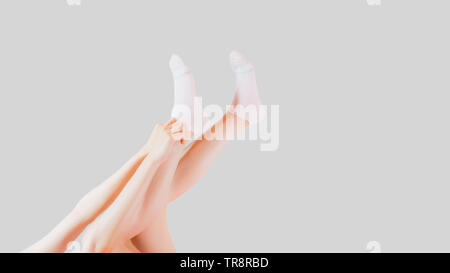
87,209
119,223
154,235
180,175
203,152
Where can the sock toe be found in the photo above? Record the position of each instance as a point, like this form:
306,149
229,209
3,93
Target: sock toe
177,66
239,64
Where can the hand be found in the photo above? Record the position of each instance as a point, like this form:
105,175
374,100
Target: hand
164,138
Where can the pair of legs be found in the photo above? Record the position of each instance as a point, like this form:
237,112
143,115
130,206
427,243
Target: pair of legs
133,201
144,228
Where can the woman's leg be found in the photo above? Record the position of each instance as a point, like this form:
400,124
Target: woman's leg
172,180
88,208
119,223
155,238
202,154
154,234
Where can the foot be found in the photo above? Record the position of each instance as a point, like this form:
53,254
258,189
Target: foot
246,100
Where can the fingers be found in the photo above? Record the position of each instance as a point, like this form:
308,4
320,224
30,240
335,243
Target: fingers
173,126
176,129
170,122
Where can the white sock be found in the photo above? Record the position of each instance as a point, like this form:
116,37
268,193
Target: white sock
184,91
247,90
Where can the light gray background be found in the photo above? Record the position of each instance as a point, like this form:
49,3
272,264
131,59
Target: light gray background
363,94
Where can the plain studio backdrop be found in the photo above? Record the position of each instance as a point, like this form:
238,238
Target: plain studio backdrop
364,118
